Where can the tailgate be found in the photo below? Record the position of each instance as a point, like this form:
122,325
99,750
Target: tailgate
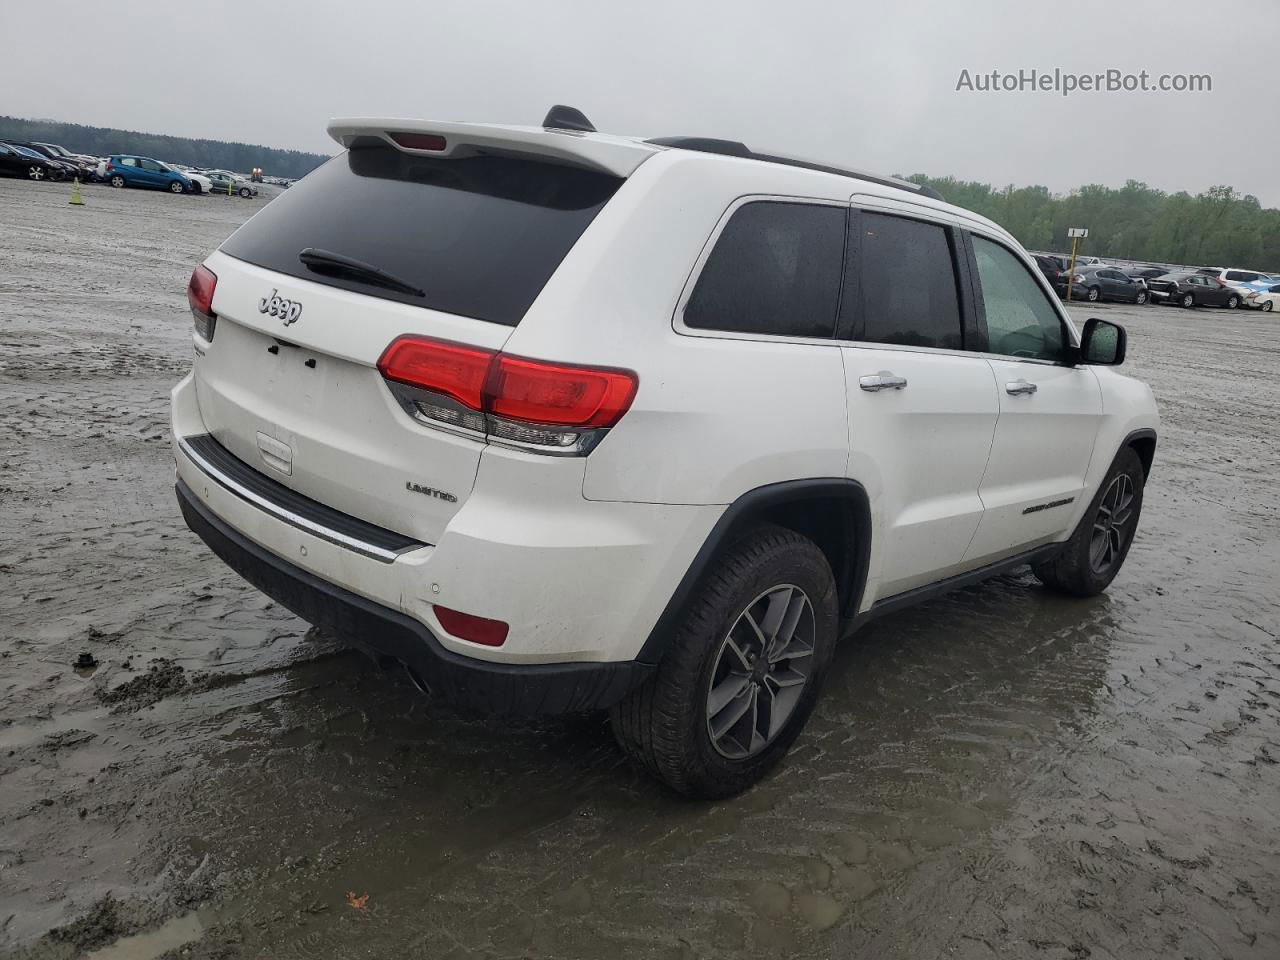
305,404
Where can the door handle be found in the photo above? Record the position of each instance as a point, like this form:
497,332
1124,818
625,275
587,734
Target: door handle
1019,387
884,380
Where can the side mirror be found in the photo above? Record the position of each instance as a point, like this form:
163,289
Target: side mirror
1103,343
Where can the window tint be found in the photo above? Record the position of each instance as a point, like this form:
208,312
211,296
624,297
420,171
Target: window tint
906,283
775,269
481,235
1021,322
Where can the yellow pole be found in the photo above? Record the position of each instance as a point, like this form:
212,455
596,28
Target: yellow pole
1072,272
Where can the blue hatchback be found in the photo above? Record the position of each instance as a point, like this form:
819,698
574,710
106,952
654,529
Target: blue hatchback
125,170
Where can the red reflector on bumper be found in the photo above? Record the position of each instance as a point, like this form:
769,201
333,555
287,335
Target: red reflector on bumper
465,626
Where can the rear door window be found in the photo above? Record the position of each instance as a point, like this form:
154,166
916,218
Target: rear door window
775,269
906,284
480,235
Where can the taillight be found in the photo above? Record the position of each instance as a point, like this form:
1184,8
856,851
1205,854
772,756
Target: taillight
467,626
554,394
550,407
200,296
419,141
439,366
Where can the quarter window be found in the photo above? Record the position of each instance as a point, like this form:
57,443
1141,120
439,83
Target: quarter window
775,269
906,283
1021,322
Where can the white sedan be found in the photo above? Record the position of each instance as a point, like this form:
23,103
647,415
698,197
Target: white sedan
1268,299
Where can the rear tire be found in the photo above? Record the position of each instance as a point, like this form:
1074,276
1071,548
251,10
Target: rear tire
1267,306
117,181
1141,298
686,725
1090,560
1232,302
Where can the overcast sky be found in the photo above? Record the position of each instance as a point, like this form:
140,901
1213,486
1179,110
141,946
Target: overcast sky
871,85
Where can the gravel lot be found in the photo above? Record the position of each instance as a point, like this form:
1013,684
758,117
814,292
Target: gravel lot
1002,773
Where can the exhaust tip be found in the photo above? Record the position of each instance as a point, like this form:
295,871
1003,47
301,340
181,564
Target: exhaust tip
417,681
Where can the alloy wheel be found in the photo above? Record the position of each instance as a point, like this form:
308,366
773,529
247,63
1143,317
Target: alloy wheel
760,672
1112,525
36,173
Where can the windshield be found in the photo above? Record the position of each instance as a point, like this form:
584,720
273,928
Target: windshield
28,152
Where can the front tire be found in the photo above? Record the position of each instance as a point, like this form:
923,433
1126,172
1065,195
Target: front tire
35,173
1232,302
1090,560
175,186
1267,306
743,671
1141,298
1094,294
246,192
1188,300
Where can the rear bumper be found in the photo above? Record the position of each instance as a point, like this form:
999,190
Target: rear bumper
383,632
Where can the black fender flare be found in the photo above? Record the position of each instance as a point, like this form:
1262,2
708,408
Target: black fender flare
850,583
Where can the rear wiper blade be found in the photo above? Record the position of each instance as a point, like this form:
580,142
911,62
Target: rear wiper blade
323,261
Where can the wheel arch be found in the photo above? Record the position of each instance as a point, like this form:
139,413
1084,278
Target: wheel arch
835,513
1143,443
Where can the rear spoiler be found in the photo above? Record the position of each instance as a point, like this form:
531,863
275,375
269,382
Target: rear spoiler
606,154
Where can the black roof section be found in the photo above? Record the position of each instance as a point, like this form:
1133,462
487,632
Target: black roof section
732,148
561,117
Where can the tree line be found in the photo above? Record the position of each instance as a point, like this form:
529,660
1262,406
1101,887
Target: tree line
220,154
1219,227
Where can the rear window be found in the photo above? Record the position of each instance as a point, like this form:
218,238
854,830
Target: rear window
480,235
775,270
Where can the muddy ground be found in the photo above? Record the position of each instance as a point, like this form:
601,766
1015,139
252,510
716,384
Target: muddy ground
1002,773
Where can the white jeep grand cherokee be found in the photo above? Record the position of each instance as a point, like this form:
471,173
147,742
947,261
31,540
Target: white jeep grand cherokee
563,421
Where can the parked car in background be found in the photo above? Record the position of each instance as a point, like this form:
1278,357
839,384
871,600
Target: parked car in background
58,170
17,163
1053,271
1147,273
1268,299
199,182
1192,289
222,179
125,170
1106,283
1244,281
83,164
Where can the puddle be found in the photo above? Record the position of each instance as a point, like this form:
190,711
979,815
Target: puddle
144,946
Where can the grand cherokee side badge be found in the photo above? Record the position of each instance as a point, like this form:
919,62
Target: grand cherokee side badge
430,492
287,310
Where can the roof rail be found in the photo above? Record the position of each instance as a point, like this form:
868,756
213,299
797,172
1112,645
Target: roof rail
733,148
